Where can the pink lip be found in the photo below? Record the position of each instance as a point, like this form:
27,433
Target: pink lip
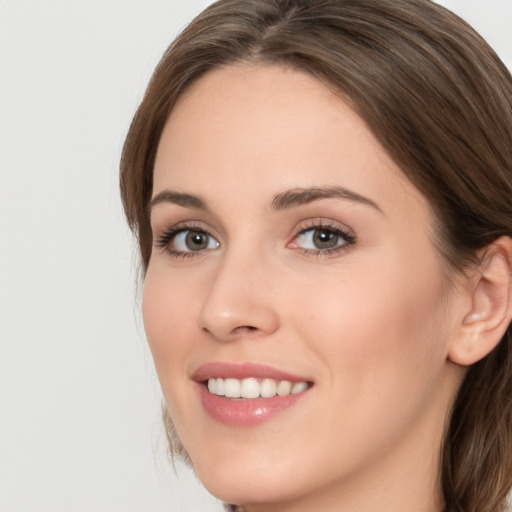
241,412
242,371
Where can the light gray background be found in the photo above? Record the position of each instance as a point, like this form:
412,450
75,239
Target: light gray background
79,402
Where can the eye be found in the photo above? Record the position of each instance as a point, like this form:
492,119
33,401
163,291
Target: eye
185,241
319,239
190,240
322,239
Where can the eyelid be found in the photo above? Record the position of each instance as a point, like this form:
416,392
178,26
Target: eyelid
322,223
163,239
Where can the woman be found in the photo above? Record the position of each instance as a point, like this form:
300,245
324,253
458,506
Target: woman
321,195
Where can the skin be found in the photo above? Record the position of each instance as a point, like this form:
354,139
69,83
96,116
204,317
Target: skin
371,324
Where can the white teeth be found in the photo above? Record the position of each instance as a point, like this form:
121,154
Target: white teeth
268,388
250,388
298,387
219,386
254,388
284,388
232,388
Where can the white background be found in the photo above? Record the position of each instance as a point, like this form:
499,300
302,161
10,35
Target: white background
79,402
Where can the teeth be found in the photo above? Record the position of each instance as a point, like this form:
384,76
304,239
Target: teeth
250,388
298,387
284,388
219,386
232,388
254,388
268,388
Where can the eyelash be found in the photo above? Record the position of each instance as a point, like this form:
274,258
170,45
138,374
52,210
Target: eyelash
321,225
164,241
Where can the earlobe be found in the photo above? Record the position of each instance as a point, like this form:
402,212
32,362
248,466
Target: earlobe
483,327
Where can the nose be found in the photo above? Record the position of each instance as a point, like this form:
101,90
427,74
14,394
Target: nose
239,301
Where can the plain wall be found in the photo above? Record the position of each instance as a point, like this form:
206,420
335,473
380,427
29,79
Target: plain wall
79,401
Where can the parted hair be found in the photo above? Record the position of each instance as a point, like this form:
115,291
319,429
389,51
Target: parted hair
439,100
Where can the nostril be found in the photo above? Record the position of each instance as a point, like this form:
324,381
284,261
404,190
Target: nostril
240,330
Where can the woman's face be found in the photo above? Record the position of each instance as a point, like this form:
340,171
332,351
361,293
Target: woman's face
288,247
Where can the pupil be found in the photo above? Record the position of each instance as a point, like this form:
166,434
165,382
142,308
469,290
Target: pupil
325,239
196,240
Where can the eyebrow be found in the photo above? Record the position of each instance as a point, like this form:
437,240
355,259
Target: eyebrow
299,196
178,198
282,201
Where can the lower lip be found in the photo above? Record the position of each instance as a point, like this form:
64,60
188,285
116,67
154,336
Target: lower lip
245,413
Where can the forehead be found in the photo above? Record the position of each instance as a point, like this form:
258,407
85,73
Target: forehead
269,128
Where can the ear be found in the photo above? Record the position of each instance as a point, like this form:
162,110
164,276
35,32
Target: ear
484,325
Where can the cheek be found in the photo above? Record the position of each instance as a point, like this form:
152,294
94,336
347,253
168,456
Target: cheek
379,332
381,339
167,309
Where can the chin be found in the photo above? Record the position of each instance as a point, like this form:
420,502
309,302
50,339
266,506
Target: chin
241,482
244,491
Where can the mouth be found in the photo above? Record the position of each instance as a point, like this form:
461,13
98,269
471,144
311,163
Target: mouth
252,387
248,394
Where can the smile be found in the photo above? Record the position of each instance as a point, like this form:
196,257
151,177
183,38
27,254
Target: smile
244,395
250,388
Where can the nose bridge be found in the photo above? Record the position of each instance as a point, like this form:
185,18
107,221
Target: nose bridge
239,300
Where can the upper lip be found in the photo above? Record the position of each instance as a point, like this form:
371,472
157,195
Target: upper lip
243,371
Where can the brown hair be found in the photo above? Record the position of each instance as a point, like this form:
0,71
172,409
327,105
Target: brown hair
438,99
